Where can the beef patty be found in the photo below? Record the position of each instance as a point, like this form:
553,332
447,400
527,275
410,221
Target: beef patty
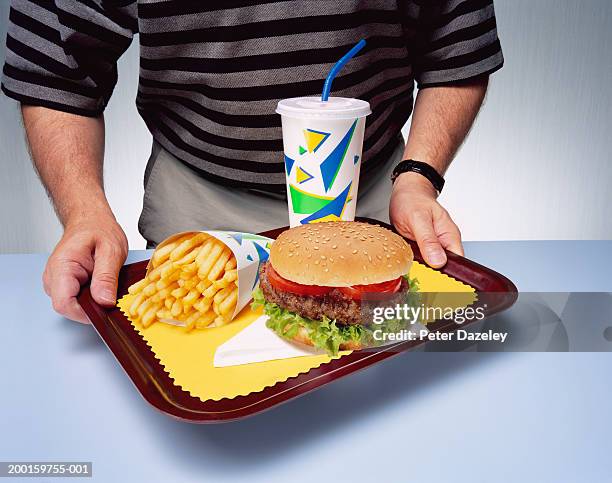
333,304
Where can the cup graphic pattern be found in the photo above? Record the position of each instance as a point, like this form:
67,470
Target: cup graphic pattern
322,162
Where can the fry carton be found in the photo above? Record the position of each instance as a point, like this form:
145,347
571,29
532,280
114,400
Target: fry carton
199,279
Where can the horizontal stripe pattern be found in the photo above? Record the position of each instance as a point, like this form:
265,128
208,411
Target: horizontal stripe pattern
211,73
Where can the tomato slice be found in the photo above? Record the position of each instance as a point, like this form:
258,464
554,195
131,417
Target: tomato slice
355,292
281,283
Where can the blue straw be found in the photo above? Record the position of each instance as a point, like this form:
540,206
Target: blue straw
337,66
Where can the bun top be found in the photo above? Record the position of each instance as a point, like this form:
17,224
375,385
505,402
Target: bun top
340,254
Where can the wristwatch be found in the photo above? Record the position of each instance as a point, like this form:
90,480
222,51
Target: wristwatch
424,169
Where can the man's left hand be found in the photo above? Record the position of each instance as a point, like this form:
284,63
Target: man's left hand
415,212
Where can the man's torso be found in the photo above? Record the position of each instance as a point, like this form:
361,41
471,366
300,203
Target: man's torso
211,76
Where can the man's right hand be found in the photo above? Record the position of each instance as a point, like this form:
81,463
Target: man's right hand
94,247
68,152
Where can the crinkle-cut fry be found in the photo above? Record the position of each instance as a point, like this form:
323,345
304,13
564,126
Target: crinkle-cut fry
144,306
168,271
227,306
221,284
150,315
205,320
205,250
191,297
164,293
138,286
191,283
163,253
149,290
163,314
231,275
185,276
231,263
155,274
217,268
189,257
187,245
138,299
203,285
162,283
210,260
185,315
190,322
221,295
190,268
227,279
210,291
203,304
179,292
177,308
218,322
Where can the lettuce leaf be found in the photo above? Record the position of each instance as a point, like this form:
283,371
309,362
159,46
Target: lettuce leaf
325,334
413,283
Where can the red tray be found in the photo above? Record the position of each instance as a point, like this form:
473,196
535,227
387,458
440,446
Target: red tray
496,293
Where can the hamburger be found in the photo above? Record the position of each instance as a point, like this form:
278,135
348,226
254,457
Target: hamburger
317,275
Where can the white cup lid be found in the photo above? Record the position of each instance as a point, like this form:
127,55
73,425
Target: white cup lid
315,108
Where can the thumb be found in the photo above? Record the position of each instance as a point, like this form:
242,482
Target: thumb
449,235
423,229
108,262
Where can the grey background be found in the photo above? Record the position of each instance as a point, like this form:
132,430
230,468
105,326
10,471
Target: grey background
536,165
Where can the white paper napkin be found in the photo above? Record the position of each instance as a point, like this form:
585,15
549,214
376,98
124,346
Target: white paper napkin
257,343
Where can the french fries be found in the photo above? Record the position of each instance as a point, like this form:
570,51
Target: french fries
192,280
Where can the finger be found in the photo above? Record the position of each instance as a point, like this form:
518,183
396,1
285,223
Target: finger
46,281
108,262
422,226
64,283
70,309
449,235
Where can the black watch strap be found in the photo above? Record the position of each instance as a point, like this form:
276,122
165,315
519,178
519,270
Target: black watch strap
424,169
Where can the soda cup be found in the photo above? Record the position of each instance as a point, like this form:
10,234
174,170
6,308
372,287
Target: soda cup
322,143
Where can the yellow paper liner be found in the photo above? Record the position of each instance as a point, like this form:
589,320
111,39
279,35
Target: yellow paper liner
188,357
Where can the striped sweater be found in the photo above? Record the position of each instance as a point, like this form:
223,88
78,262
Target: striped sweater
211,72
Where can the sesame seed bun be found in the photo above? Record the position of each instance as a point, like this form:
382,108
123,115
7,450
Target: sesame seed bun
340,254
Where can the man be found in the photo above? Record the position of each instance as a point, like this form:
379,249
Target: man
211,74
